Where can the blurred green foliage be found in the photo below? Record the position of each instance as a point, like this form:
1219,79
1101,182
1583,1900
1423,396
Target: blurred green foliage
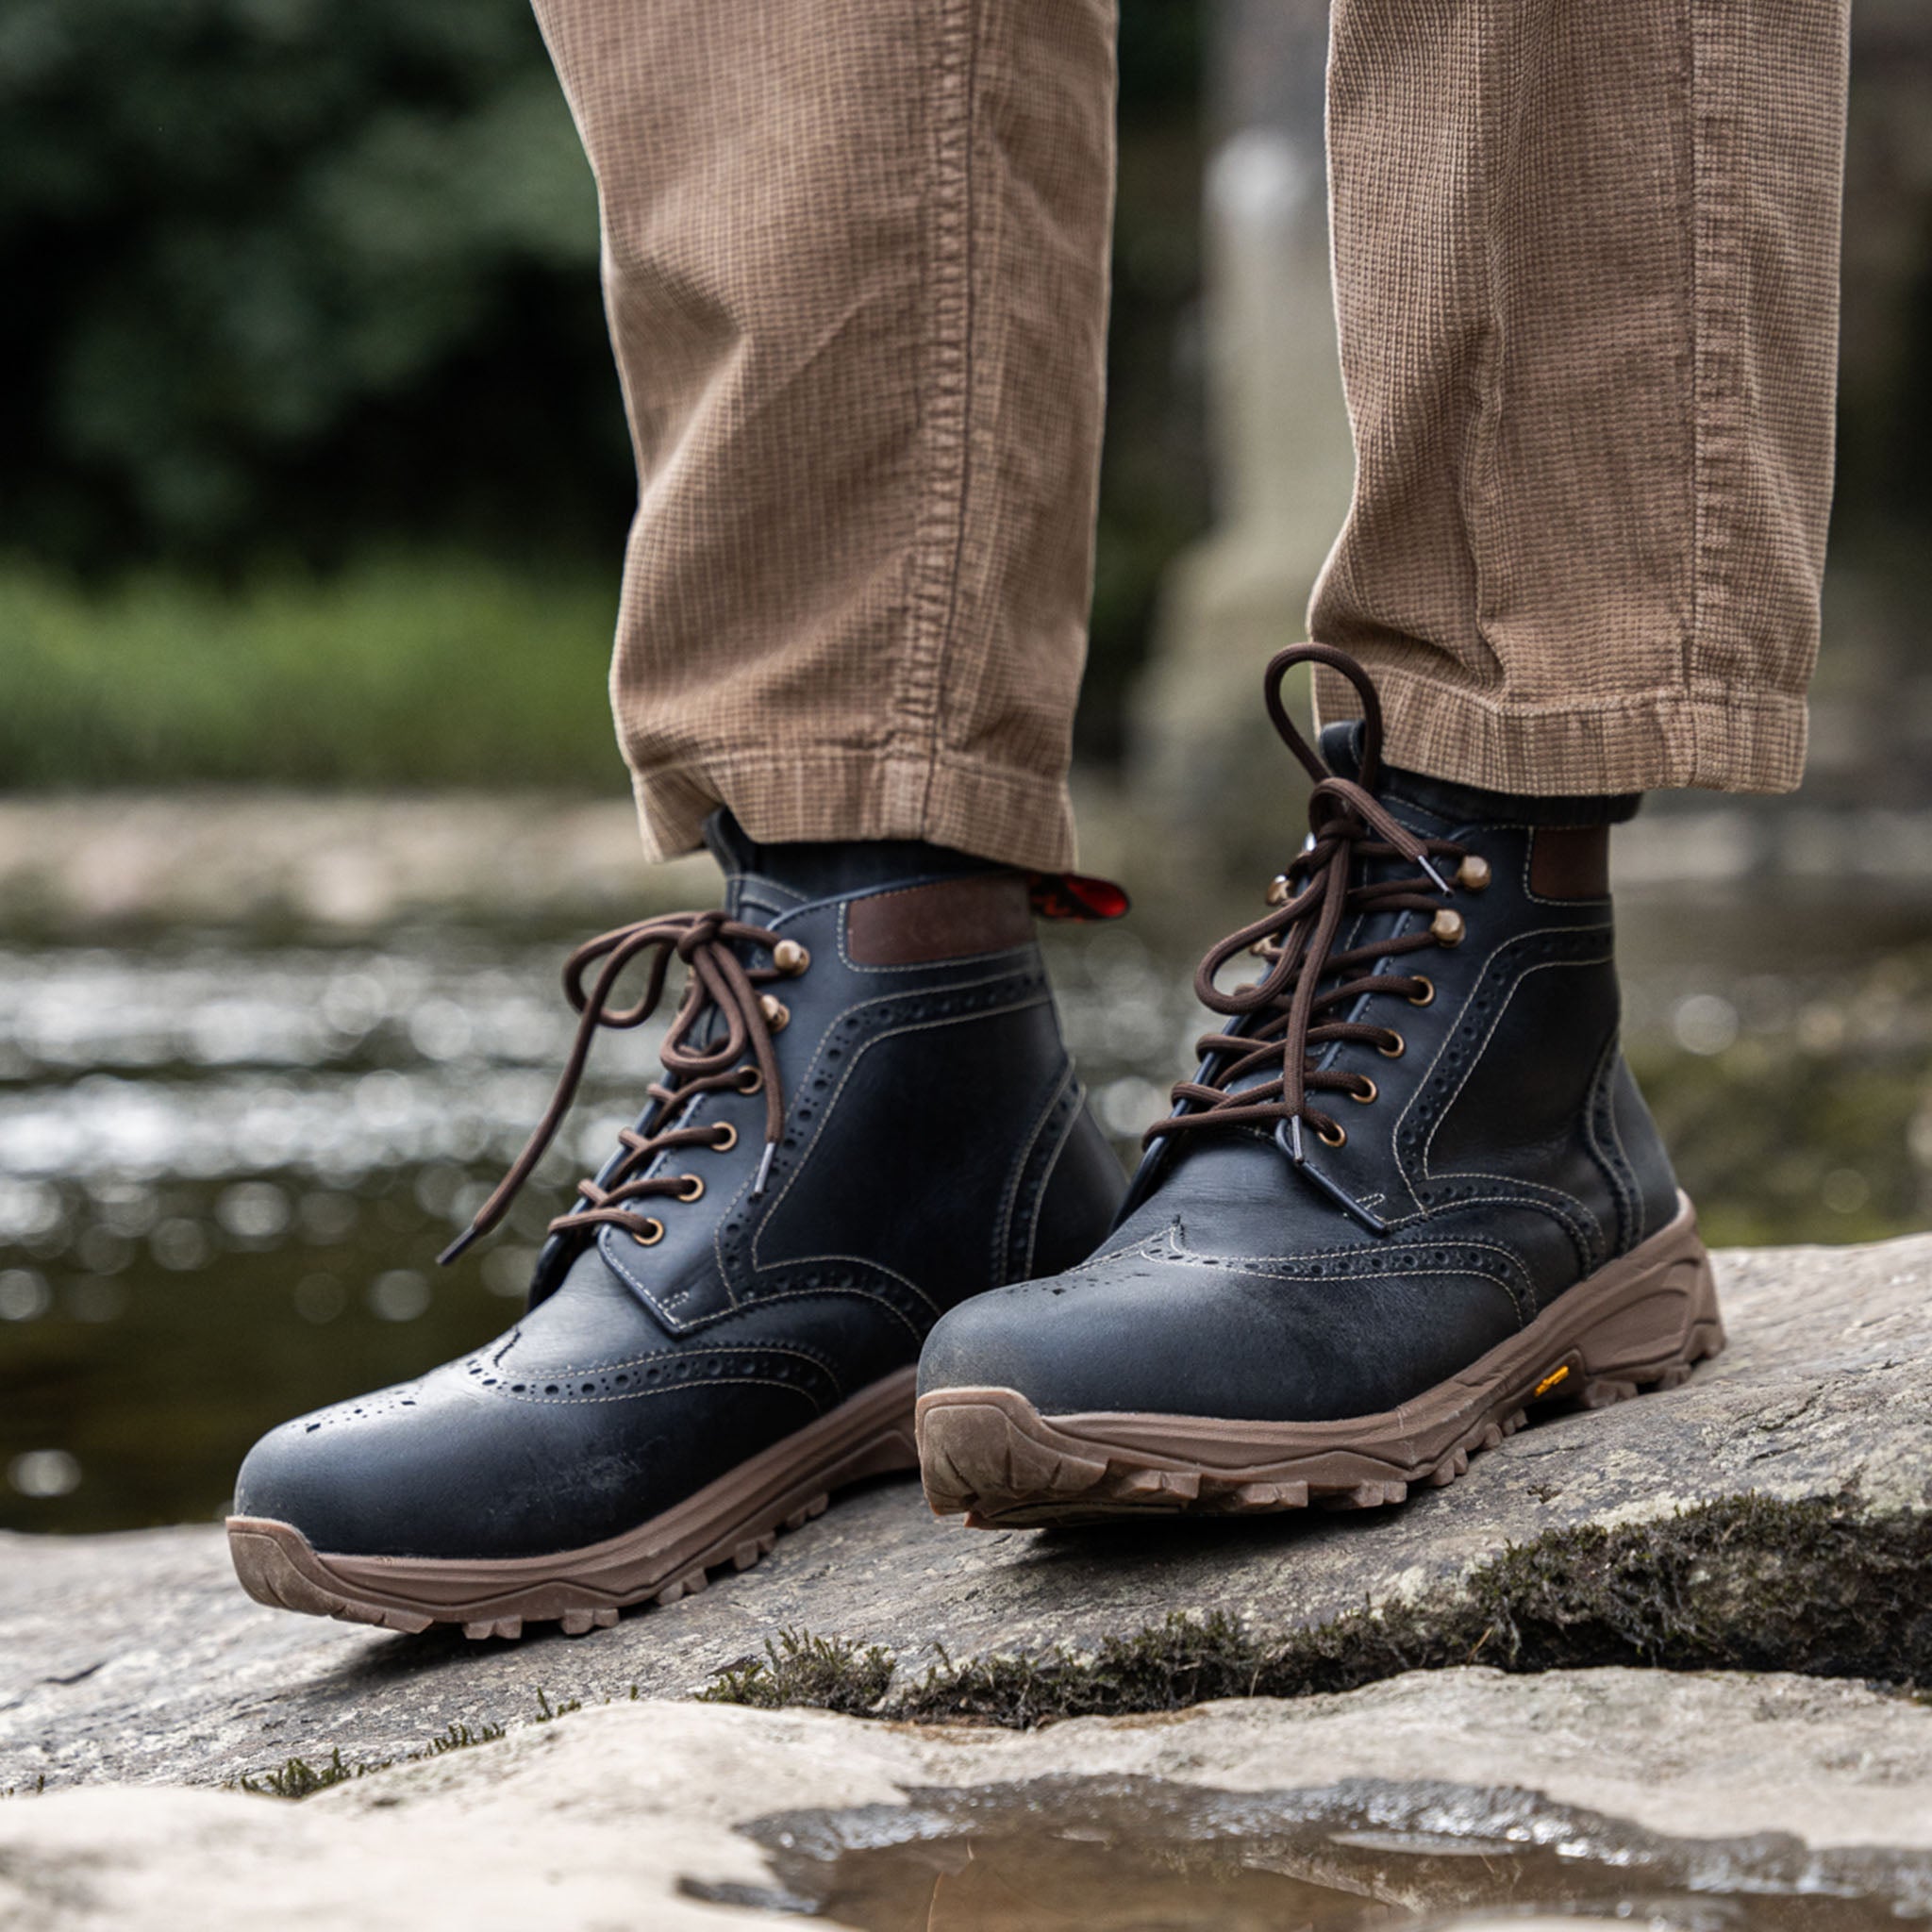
303,680
296,276
293,284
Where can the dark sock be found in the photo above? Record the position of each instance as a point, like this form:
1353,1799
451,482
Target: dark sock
1341,749
820,869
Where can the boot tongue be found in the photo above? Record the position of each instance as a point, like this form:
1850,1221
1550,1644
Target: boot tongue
1340,746
739,858
729,844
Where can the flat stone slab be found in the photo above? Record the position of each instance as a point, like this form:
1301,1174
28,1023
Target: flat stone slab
137,1657
676,1814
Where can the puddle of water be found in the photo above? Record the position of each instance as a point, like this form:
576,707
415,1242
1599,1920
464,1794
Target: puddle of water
227,1167
1063,1855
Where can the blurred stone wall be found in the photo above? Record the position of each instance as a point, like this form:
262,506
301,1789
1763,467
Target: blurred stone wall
1203,753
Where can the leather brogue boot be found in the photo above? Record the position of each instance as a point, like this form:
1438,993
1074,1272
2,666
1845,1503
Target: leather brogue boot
866,1116
1411,1192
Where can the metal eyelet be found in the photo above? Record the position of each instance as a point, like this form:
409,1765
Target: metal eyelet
1277,890
788,956
1338,1139
777,1014
1474,873
1427,993
1448,928
691,1187
656,1235
1395,1052
1368,1098
730,1140
752,1080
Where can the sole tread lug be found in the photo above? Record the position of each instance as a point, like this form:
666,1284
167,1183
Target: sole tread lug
1605,1392
989,1454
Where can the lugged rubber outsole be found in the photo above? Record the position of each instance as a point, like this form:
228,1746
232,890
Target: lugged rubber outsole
1642,1322
730,1523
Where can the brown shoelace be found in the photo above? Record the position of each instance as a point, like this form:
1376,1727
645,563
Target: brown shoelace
1292,1010
720,982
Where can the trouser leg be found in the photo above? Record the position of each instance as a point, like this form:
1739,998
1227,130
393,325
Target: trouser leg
1586,264
856,271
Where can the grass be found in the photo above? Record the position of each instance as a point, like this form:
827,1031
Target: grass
804,1671
298,1778
395,672
1746,1583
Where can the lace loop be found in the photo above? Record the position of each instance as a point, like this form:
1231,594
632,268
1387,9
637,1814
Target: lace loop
719,983
1282,1016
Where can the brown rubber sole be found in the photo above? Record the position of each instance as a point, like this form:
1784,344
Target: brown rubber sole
1640,1323
733,1521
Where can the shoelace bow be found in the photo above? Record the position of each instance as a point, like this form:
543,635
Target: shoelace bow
1307,979
720,982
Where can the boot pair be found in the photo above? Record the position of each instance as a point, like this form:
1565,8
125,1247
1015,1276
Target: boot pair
866,1221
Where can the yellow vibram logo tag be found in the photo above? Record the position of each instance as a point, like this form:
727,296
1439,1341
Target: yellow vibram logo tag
1550,1381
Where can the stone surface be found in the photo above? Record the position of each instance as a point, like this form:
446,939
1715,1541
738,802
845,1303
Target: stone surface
137,1657
597,1820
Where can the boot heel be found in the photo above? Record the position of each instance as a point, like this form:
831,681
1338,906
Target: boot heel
1660,1317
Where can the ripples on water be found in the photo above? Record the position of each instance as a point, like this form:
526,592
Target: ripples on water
225,1169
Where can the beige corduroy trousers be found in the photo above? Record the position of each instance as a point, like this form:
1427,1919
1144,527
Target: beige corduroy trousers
855,264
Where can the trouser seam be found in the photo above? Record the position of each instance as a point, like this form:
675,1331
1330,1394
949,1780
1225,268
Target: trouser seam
939,533
1716,334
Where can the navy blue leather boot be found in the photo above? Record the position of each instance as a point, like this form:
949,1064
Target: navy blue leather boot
867,1116
1410,1190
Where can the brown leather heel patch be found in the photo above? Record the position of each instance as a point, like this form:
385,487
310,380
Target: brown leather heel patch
985,913
1570,861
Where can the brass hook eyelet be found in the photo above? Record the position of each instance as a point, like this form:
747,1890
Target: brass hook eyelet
1448,927
1427,993
691,1187
1277,890
1395,1052
730,1140
1338,1139
777,1014
1474,873
656,1235
1365,1099
789,956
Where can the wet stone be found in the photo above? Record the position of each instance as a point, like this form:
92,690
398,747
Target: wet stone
1455,1797
1771,1513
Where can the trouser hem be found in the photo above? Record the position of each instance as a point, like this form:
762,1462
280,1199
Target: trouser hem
1714,739
1015,818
